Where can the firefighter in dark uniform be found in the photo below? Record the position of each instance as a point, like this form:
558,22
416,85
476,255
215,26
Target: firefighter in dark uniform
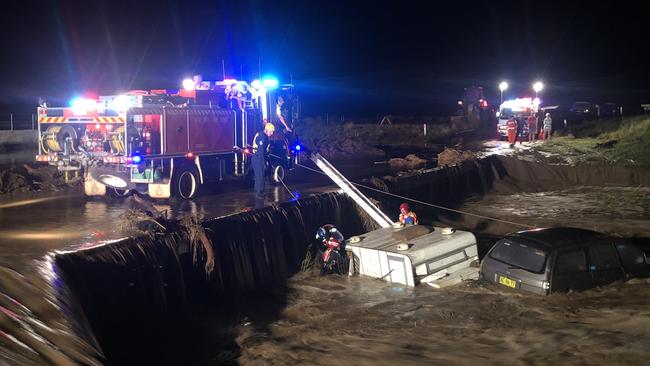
260,149
281,116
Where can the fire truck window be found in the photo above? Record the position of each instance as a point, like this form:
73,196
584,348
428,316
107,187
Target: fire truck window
150,133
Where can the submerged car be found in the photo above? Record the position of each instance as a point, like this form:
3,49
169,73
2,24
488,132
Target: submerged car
562,259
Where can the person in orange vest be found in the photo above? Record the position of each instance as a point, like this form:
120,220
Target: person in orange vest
511,127
406,216
532,127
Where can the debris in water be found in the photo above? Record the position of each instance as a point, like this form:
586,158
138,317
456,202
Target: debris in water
411,161
379,184
453,156
196,233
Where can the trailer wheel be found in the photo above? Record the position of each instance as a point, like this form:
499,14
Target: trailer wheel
186,183
278,174
118,193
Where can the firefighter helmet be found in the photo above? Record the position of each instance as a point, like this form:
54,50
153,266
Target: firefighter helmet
269,127
329,231
404,206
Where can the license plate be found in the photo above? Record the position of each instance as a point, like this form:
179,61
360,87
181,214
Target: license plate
507,282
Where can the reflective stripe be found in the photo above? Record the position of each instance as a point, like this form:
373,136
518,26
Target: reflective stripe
255,142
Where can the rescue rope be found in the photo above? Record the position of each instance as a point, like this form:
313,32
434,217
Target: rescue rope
426,203
287,188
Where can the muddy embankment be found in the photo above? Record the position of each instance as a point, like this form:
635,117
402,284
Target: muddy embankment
350,139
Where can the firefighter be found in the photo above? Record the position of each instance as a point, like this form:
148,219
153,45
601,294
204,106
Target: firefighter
260,150
284,127
511,127
532,127
332,258
406,216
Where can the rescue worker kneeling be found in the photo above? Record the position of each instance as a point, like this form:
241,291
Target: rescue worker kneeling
406,216
260,151
331,255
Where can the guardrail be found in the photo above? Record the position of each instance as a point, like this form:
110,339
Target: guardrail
17,121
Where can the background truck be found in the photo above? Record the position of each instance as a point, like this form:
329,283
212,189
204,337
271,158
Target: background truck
521,109
163,142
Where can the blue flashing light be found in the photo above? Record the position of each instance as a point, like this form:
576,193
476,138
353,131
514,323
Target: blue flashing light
297,147
270,82
75,101
136,159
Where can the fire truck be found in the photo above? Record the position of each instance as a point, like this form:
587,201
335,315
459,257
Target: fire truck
165,143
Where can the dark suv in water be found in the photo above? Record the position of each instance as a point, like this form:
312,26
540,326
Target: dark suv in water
562,259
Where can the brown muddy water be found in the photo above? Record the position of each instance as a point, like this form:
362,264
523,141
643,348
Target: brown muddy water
355,321
332,320
339,320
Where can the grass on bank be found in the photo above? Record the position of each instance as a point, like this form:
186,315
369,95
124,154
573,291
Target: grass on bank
629,144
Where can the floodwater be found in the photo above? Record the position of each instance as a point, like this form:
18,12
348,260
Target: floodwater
623,211
340,320
336,320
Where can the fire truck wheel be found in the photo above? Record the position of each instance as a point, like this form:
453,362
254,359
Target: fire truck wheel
278,174
186,183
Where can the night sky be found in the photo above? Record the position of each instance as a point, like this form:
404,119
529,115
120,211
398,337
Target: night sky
362,58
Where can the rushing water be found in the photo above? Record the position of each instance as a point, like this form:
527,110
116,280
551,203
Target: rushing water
150,300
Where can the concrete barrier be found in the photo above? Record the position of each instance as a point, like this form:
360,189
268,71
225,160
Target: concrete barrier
14,140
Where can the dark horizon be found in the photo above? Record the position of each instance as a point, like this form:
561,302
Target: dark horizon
360,58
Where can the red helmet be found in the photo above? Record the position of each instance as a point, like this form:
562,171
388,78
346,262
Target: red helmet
404,206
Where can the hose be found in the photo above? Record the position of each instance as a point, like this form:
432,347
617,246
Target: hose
54,138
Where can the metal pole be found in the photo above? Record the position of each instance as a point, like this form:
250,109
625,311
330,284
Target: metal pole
32,121
11,121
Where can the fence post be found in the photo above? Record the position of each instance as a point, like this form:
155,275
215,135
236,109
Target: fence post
11,121
32,121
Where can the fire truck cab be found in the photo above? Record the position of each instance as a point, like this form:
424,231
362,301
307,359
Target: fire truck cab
165,142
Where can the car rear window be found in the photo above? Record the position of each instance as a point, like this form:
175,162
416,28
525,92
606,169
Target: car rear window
519,255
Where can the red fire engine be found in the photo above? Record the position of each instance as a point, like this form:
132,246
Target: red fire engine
163,142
